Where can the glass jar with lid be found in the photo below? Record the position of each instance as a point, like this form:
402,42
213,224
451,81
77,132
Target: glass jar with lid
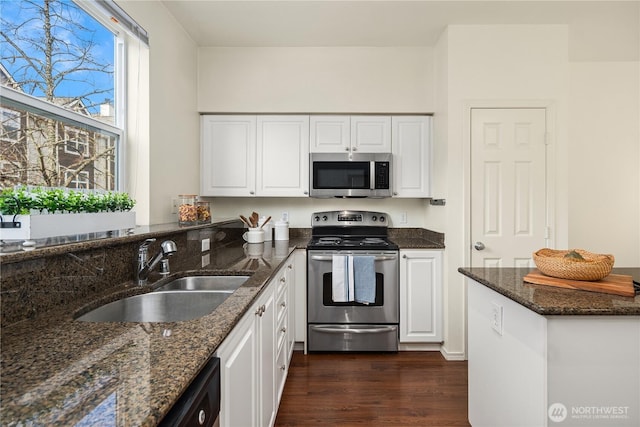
187,211
204,212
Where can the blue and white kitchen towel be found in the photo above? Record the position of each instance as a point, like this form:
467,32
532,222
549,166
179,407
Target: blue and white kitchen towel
353,279
364,274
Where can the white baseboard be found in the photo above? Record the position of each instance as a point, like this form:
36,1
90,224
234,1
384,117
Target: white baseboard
419,347
453,355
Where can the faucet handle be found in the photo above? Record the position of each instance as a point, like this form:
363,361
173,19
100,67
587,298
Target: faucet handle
146,244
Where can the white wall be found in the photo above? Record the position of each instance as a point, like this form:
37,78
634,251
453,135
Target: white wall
315,79
489,65
171,152
300,209
604,147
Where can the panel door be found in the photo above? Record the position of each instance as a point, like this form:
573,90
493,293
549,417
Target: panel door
329,134
411,144
421,296
283,156
239,377
508,196
371,134
228,153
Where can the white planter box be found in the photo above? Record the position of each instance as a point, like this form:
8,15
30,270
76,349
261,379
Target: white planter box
52,225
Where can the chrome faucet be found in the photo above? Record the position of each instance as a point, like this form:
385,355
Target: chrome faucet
167,249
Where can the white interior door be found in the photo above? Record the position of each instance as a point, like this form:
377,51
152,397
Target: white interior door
508,187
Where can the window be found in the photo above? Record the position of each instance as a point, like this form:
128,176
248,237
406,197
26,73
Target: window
62,124
77,179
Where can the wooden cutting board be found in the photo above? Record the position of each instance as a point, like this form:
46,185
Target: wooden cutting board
617,284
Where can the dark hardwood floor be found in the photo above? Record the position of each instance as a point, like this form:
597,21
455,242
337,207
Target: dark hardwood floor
402,389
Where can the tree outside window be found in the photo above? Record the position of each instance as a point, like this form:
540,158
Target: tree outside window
54,51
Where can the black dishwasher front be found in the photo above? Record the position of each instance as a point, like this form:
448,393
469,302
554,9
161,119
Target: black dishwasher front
199,405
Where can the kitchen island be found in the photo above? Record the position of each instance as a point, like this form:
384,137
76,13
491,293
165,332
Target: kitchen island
541,355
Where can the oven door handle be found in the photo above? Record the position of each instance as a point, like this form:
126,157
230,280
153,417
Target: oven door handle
377,257
331,330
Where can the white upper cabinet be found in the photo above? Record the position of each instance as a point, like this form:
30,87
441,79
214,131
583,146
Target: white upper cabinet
228,155
411,156
337,134
330,134
371,134
248,155
283,156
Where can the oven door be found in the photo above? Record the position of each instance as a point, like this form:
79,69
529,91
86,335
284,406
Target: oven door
320,303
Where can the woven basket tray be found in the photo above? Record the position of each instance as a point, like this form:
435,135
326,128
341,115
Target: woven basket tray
553,263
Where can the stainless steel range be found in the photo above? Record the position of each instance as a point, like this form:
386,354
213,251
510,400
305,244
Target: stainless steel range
353,283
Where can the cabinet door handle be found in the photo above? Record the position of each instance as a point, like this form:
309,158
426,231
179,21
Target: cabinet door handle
404,256
252,192
283,304
283,368
479,246
283,330
346,149
354,149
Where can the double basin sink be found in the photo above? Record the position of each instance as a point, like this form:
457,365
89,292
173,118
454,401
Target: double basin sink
184,298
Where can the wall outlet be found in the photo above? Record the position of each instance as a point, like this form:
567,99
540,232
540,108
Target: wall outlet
174,206
206,259
403,217
285,216
496,318
206,245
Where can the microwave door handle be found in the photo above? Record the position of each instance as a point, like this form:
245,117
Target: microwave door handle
372,176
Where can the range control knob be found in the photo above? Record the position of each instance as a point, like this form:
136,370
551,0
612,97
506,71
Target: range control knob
316,218
324,217
374,218
382,218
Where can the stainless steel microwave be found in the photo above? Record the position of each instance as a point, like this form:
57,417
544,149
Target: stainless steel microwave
350,175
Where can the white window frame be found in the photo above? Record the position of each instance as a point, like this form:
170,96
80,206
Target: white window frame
103,11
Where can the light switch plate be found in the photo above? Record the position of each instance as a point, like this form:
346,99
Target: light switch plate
206,245
497,318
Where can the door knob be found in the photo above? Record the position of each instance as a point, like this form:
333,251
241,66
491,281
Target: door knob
479,246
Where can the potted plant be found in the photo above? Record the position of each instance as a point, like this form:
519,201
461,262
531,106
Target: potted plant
33,213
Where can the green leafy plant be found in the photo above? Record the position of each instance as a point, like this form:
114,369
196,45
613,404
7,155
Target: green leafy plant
23,201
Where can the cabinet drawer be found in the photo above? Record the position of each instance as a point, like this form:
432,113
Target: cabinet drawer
281,331
282,368
282,306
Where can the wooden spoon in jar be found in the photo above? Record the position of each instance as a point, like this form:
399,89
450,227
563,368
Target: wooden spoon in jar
246,221
265,222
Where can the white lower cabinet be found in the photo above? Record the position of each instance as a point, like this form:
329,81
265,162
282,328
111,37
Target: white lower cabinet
255,357
420,296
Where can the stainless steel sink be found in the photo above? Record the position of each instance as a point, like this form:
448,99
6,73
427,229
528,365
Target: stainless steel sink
185,298
204,283
169,306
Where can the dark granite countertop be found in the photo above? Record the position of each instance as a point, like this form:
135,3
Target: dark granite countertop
547,300
58,371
